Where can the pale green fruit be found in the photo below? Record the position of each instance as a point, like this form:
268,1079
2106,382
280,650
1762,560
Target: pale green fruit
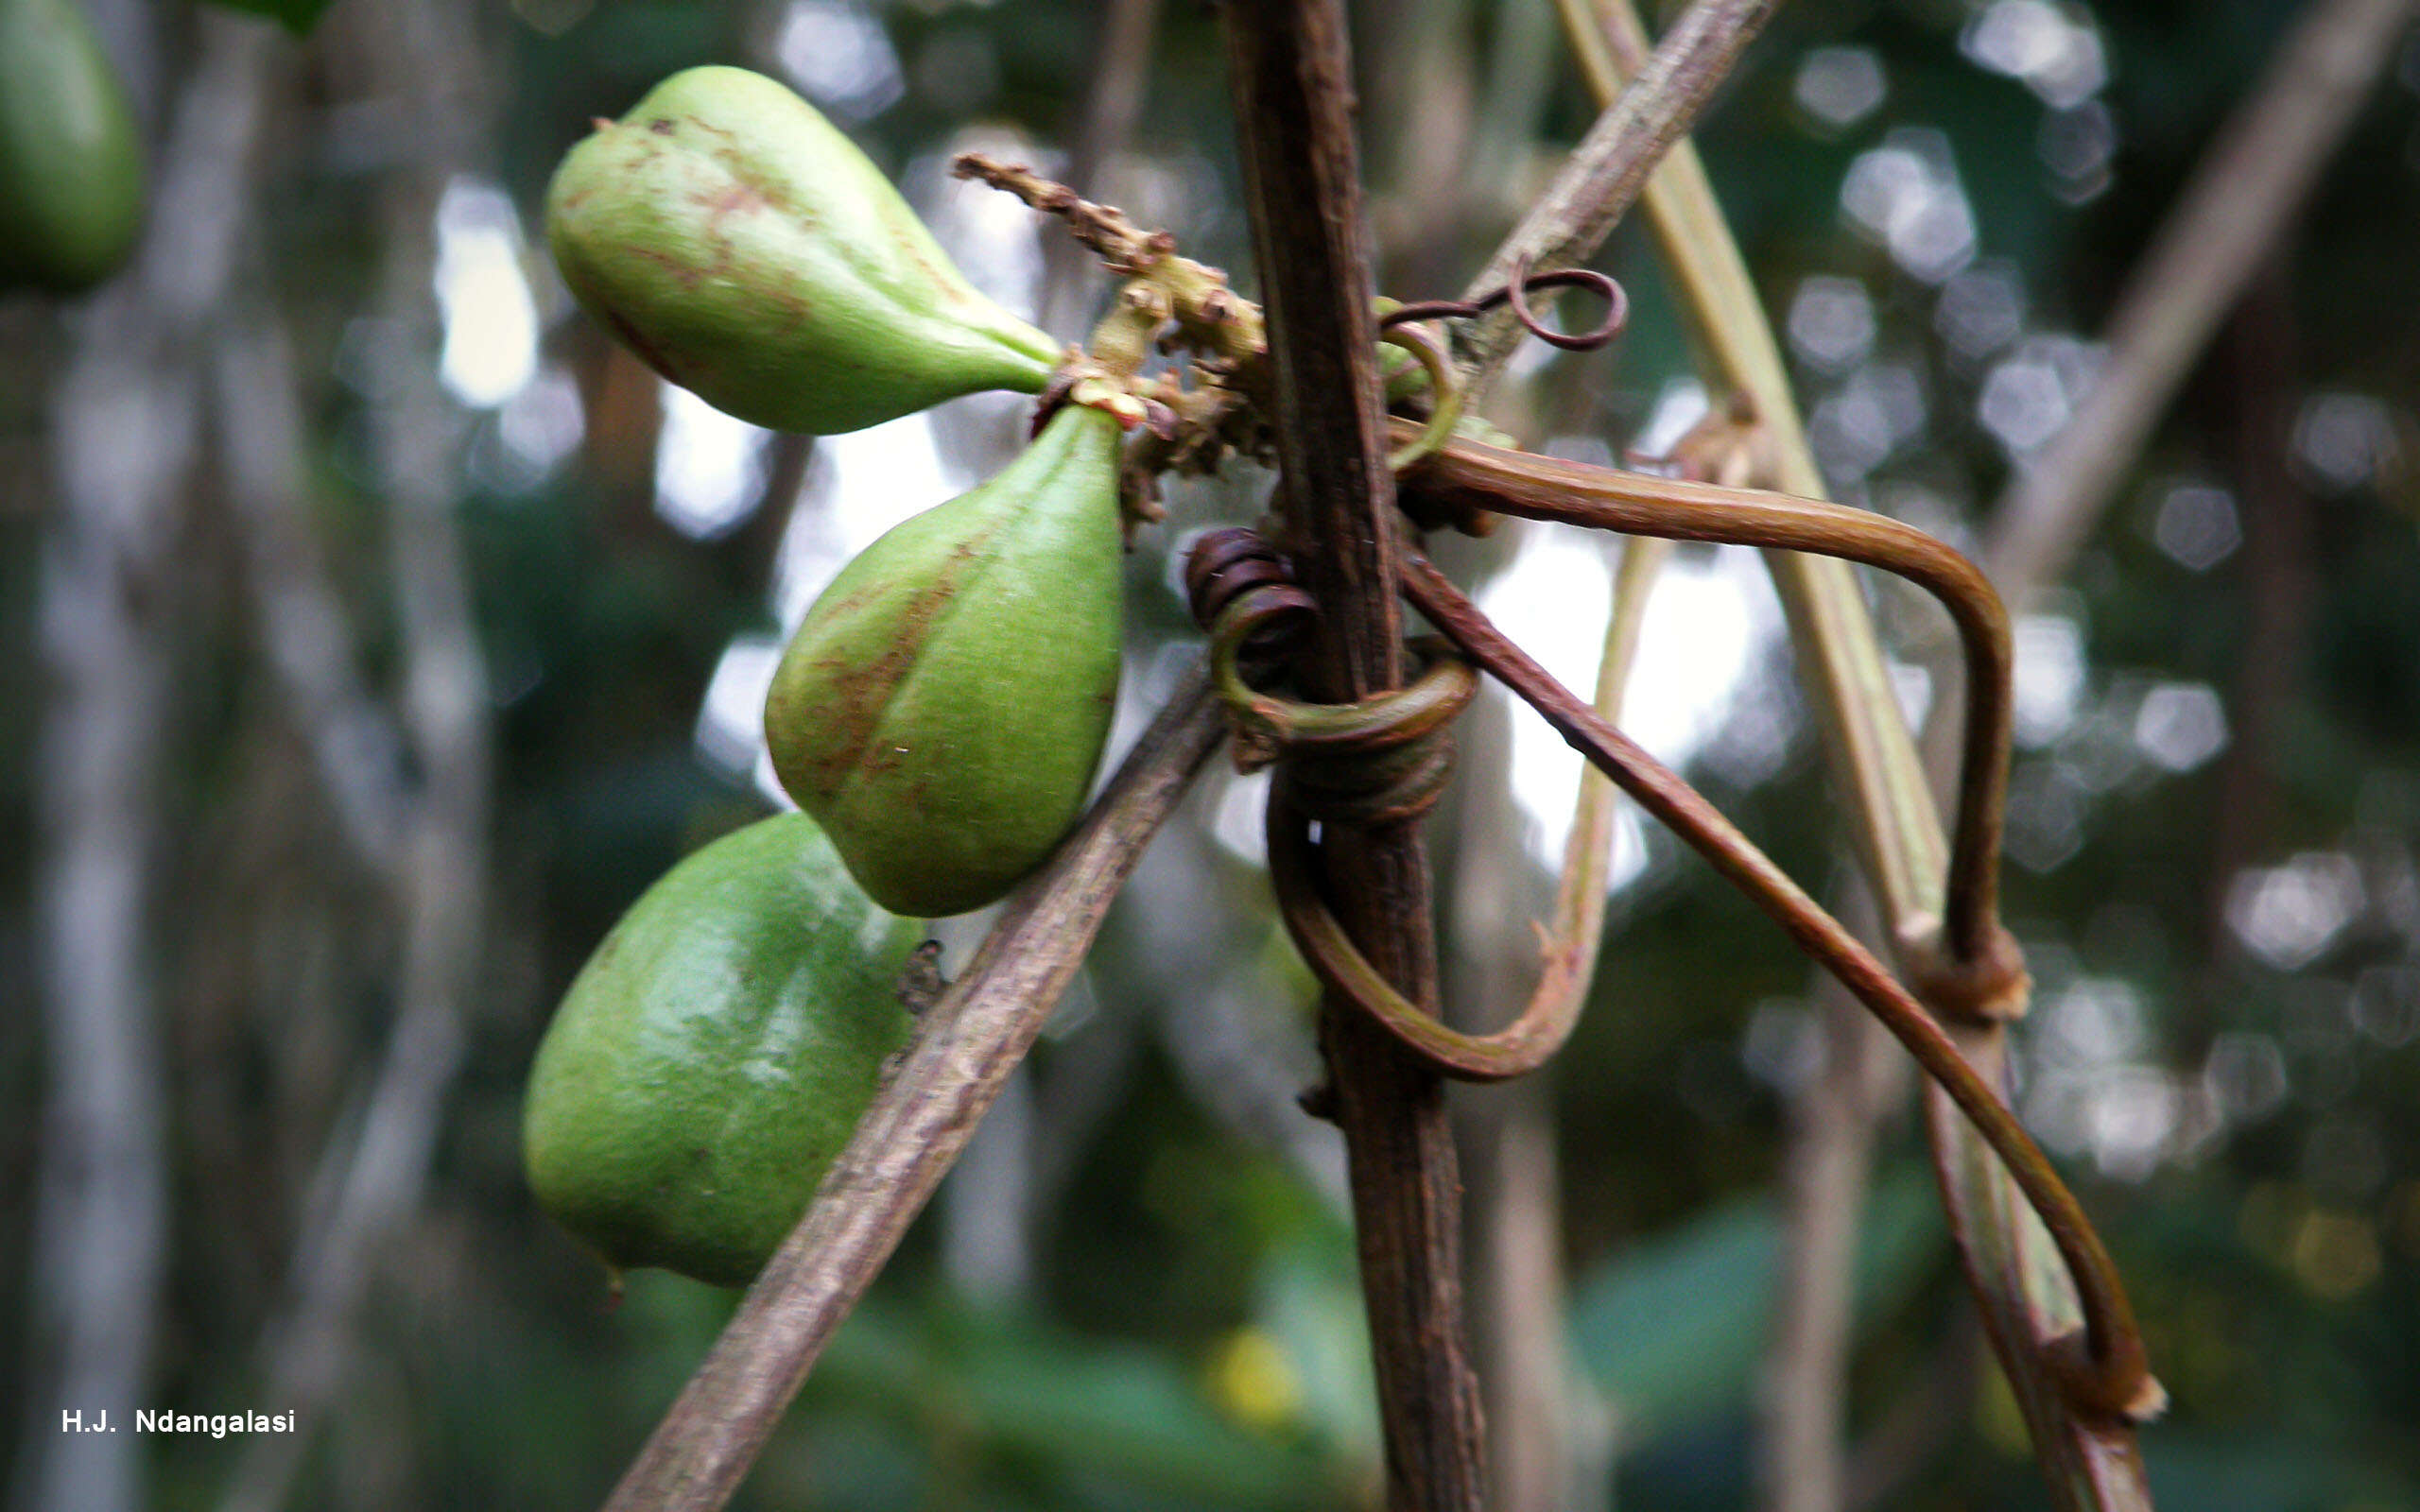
743,247
942,707
715,1055
71,164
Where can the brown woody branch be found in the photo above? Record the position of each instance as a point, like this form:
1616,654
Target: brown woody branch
1292,83
1613,163
2242,193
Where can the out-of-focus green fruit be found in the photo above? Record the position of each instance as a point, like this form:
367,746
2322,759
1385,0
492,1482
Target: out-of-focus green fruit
71,167
748,250
715,1053
943,705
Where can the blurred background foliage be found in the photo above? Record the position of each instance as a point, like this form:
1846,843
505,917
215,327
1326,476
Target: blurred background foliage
1137,1290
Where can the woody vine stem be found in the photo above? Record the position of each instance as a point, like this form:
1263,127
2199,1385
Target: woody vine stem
1298,383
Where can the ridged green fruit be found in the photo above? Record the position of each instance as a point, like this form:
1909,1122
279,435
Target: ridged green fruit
71,164
747,251
715,1053
942,707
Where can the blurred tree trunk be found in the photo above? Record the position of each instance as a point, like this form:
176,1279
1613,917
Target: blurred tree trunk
1421,93
423,59
1827,1167
2254,384
124,431
1514,1210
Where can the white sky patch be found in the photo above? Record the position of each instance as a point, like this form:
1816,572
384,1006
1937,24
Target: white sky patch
1839,87
2053,49
730,723
1707,621
2132,1117
2345,439
1981,309
991,235
1552,600
1831,322
483,299
2289,915
1907,195
1911,685
1855,427
1681,405
839,56
2091,1088
1238,821
2032,393
2181,724
709,467
2093,1021
2196,526
2050,677
543,424
859,486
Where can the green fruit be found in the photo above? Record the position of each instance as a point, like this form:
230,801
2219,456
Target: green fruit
942,707
748,250
71,167
715,1053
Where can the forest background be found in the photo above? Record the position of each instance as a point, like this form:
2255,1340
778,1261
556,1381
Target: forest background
372,632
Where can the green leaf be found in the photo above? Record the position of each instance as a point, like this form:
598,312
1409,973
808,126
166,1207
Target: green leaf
297,16
1673,1328
1078,1409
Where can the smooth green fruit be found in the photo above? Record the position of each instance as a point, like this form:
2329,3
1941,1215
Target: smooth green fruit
715,1053
748,250
942,707
71,167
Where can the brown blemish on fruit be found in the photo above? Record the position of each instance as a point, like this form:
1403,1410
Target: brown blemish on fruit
908,247
661,127
689,274
748,174
736,198
859,693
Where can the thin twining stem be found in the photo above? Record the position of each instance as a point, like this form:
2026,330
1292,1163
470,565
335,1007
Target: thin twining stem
1568,950
2114,1376
1238,585
1470,474
1270,727
1515,1050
